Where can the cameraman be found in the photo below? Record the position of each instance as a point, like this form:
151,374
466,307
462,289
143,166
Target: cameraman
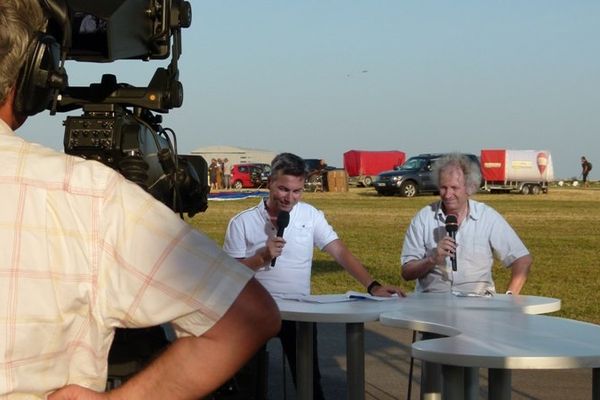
86,251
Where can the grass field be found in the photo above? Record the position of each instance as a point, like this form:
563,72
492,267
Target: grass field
561,230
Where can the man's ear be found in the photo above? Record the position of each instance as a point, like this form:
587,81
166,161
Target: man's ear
7,111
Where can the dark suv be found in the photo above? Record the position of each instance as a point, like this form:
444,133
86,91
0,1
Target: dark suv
411,178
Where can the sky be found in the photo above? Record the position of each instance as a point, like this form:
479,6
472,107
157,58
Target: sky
319,78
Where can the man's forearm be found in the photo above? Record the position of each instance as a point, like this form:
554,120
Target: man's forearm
258,260
417,268
193,367
166,379
519,273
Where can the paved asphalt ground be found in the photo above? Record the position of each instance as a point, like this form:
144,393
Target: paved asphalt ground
387,363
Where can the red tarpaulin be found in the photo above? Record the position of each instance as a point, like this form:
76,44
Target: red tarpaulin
371,163
493,165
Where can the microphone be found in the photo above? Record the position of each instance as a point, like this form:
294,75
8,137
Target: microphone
283,219
451,228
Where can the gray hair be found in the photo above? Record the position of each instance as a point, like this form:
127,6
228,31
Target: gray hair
460,161
19,22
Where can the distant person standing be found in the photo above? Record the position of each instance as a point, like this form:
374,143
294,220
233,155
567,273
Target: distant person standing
226,173
212,171
219,174
586,167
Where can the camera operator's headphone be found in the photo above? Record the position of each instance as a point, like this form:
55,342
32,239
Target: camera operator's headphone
42,74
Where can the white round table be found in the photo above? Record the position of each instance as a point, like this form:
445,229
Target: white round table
355,313
500,341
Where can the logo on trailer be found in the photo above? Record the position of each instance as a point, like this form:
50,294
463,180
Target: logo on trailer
542,162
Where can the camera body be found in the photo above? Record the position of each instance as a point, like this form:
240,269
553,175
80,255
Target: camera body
109,30
119,126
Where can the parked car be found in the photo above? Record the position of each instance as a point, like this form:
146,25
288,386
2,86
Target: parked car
249,175
411,178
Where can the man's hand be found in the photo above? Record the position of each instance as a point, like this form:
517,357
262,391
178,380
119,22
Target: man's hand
415,269
264,255
76,392
446,248
274,247
387,291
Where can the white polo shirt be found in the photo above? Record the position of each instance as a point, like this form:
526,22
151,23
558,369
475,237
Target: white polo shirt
249,230
483,234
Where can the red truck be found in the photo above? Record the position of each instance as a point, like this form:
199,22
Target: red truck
362,166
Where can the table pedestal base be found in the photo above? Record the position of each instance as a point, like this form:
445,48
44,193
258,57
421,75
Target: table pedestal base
304,360
355,360
596,384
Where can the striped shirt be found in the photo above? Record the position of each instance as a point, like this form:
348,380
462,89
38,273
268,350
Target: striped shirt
86,251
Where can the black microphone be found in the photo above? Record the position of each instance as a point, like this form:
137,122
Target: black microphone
451,228
283,219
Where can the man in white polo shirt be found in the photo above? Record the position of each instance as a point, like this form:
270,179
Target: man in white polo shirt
252,238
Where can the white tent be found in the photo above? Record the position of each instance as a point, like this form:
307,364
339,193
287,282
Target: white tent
236,155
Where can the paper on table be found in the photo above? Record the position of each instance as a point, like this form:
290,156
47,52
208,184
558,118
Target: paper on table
324,298
365,296
459,293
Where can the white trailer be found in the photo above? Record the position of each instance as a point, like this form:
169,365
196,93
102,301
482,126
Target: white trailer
524,171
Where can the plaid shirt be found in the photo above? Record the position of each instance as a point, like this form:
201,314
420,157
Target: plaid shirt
86,251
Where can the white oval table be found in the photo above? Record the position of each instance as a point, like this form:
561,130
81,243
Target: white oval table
500,341
355,313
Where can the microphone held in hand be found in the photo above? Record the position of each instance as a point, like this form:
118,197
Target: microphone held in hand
451,228
283,219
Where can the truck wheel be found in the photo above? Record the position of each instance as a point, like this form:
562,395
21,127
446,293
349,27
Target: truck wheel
238,185
368,181
536,189
408,189
526,189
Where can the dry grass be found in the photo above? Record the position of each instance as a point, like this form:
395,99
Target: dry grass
561,229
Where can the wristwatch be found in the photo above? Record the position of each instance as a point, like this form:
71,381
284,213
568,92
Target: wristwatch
372,286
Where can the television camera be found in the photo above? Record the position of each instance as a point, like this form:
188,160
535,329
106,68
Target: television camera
120,126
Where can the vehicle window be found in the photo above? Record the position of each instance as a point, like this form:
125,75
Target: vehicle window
413,164
243,169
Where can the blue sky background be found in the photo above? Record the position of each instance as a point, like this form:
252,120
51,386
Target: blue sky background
319,78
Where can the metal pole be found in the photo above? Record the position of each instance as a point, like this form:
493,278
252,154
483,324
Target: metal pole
355,360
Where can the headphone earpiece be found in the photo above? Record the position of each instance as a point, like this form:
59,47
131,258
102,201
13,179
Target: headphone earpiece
40,76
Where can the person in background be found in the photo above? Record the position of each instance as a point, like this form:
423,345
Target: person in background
586,167
86,251
251,238
226,173
212,173
219,174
